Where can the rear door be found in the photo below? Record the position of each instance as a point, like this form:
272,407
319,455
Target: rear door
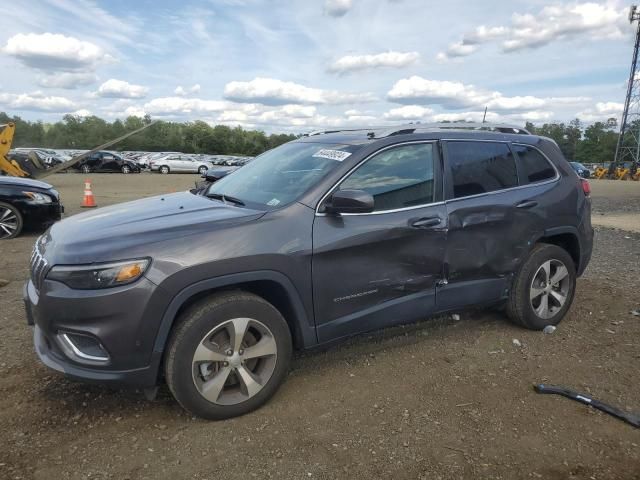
109,163
378,269
493,219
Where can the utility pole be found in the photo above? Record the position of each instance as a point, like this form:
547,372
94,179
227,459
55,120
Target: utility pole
628,147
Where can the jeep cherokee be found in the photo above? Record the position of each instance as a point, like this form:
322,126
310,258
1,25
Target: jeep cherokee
331,235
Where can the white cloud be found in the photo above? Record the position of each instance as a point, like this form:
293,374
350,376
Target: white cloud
602,111
337,8
552,23
37,101
180,105
361,62
269,91
67,80
113,88
180,91
83,112
408,113
456,95
53,52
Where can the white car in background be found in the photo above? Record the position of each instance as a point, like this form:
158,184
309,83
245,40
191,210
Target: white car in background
179,163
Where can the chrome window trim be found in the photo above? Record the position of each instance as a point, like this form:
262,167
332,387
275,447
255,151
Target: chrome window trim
388,147
519,187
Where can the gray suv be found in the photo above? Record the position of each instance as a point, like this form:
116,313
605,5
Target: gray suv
325,237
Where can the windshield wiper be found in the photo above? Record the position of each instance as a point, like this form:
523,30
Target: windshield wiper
226,198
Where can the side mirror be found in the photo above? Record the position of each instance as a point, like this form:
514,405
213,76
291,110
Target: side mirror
214,175
350,201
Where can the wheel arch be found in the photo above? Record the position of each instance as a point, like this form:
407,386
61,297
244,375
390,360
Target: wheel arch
566,238
274,287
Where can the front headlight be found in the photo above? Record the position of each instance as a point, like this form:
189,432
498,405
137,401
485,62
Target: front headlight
106,275
38,197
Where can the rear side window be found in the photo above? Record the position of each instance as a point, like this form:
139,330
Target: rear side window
396,178
534,167
481,167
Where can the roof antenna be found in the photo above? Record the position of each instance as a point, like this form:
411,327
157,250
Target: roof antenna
484,118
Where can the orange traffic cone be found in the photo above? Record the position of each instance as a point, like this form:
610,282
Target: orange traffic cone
88,201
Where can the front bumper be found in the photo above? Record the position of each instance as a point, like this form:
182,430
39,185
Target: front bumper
119,318
38,216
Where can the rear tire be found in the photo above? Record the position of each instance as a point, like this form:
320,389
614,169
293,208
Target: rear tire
85,169
543,289
213,375
11,222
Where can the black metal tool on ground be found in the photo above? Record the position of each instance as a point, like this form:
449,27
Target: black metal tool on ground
631,418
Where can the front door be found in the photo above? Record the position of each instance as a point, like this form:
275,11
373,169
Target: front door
381,268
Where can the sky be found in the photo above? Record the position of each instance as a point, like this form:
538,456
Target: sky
303,65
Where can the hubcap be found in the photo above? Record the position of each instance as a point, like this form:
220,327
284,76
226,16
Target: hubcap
549,288
234,361
8,222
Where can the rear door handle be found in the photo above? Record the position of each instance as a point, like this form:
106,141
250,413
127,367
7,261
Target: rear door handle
425,222
527,204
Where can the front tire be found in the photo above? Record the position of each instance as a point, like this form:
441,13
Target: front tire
202,170
228,355
10,221
544,288
164,169
85,169
126,169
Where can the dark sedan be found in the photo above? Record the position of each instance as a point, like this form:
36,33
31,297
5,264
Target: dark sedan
580,169
106,162
26,203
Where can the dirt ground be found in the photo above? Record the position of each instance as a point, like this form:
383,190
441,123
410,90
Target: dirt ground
442,399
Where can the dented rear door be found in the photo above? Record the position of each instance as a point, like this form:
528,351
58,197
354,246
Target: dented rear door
490,222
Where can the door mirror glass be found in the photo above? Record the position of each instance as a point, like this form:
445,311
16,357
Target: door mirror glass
350,201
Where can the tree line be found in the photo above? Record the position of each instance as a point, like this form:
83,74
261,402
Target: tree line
595,143
82,133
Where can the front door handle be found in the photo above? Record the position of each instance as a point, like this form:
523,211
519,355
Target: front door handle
425,222
527,204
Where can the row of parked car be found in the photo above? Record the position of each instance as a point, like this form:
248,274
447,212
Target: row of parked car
129,162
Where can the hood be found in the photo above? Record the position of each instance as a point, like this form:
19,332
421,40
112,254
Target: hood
110,233
24,182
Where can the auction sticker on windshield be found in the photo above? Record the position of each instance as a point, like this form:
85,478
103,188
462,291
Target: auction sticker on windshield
337,155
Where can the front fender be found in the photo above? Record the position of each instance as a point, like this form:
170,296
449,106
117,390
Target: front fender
304,328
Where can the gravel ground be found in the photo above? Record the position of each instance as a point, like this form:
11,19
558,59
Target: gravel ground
437,400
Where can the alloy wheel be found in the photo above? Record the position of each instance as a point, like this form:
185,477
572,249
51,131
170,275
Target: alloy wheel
8,222
234,361
126,169
550,288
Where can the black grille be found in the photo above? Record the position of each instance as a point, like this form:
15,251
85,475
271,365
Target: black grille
39,267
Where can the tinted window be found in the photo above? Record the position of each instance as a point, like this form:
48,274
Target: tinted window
534,167
480,167
397,178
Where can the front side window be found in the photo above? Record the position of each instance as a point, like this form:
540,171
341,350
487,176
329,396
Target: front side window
480,167
282,175
533,165
396,178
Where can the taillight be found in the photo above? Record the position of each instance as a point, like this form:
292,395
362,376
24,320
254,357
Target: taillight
586,187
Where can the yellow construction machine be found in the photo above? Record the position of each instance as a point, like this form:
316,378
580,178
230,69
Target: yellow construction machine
32,167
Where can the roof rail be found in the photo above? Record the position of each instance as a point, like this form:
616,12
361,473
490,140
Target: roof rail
388,131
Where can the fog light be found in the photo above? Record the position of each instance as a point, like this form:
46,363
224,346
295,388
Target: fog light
83,348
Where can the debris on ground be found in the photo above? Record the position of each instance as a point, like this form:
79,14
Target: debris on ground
455,317
516,342
549,329
635,313
3,282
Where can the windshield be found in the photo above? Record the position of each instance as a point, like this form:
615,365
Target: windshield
281,175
